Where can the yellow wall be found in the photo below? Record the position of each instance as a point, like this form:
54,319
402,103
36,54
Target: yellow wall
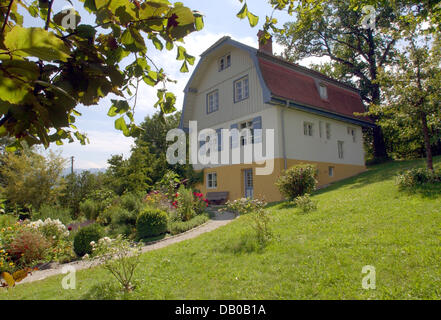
231,178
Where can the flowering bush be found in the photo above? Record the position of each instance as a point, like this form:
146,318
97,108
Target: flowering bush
6,263
28,247
168,184
297,180
119,256
244,205
157,200
305,203
51,229
417,176
200,203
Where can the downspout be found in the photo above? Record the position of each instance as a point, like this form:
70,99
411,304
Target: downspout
283,137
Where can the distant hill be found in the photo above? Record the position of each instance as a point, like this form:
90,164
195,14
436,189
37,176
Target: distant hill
66,171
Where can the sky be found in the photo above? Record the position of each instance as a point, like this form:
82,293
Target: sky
220,20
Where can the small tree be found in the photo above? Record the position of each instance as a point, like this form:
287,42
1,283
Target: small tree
413,90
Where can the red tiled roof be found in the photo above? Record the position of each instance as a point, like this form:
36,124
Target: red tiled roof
288,83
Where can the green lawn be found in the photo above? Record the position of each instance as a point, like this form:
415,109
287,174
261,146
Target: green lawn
360,221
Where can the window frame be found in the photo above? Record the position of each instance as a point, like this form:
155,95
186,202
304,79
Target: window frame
214,92
248,125
353,133
212,174
340,149
331,170
224,62
328,131
310,131
323,91
241,81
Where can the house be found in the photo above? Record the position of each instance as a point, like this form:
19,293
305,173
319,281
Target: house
312,115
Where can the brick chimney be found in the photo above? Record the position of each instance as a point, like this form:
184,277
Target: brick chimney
267,46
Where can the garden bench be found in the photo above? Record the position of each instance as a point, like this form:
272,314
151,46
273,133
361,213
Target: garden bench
217,197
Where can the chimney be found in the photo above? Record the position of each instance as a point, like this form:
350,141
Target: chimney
265,45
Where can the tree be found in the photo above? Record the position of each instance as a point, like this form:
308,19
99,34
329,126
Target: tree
412,90
335,31
47,71
29,179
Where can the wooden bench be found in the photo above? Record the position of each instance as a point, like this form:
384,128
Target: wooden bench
217,197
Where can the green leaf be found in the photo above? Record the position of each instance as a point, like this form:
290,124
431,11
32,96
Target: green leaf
190,59
120,124
184,67
118,107
12,90
169,45
158,44
86,31
127,37
199,23
243,12
253,20
36,42
181,53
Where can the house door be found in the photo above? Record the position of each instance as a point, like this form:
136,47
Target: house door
248,177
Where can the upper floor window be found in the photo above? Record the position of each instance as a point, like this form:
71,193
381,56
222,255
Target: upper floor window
213,101
248,138
323,90
308,129
353,133
328,131
212,180
224,62
340,150
241,89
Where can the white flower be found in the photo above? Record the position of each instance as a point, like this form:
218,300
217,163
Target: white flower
86,256
92,243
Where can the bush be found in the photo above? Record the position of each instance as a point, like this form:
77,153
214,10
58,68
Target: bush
53,212
28,247
7,220
90,209
305,203
151,222
158,200
84,237
123,221
184,204
131,202
417,176
244,206
176,227
297,180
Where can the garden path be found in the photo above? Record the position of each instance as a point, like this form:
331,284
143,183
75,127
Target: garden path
220,219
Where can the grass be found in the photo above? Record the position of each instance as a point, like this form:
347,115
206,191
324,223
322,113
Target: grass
361,221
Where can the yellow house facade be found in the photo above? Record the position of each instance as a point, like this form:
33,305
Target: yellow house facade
310,115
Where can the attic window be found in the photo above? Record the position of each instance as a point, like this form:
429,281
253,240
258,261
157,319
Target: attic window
224,62
323,90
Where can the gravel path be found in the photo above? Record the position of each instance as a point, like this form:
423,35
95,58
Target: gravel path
219,220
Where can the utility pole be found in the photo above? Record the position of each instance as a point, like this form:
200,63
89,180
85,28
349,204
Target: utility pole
71,164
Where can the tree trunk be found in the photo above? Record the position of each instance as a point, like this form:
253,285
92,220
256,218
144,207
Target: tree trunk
427,141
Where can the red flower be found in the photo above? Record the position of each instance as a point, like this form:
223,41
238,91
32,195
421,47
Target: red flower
69,228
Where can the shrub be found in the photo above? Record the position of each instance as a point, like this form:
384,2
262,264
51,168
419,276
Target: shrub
53,212
184,204
28,247
417,176
7,220
151,222
167,185
53,230
199,203
297,180
158,200
260,223
90,209
244,206
176,227
105,218
305,203
120,257
84,237
131,202
123,221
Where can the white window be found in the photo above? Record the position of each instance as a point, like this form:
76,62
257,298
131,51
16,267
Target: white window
331,171
213,101
353,133
340,150
224,62
328,131
241,89
323,90
308,129
212,180
246,139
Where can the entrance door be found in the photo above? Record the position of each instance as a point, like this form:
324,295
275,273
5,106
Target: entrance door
248,177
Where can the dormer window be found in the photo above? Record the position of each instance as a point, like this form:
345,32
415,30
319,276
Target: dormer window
224,62
323,90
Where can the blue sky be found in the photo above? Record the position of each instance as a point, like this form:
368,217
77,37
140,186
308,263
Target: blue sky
220,19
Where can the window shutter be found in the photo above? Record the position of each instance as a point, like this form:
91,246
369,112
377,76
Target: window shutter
234,137
219,139
257,124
